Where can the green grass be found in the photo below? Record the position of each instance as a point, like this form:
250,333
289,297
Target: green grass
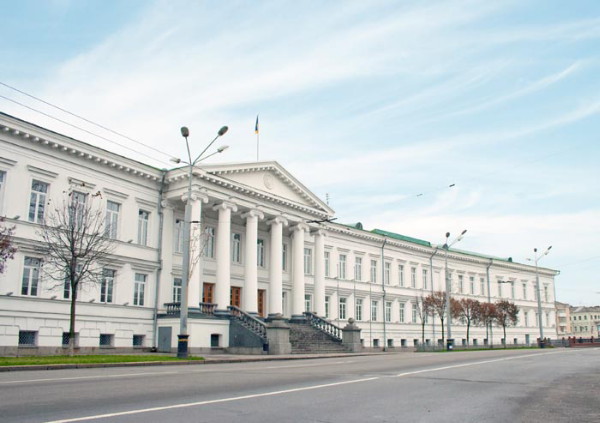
85,359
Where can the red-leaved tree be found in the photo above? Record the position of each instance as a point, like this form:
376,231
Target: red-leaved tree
7,247
507,314
468,310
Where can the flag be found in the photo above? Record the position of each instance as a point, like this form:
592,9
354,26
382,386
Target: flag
256,126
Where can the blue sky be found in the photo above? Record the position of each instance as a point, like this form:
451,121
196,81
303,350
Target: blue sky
381,104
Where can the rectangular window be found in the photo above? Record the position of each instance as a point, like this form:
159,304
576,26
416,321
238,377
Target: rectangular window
402,308
66,337
138,341
327,302
536,293
414,313
37,201
526,318
143,218
236,248
112,219
2,184
500,289
308,261
106,340
106,286
388,311
327,263
260,252
67,284
307,302
401,275
386,273
358,309
512,290
31,276
358,269
27,338
482,286
209,249
472,285
284,257
374,310
546,293
178,236
78,200
461,284
342,307
139,289
177,290
342,266
413,277
425,279
373,271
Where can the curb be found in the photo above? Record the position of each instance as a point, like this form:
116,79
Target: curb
207,360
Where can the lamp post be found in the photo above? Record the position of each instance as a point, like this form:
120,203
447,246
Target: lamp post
535,259
182,338
446,247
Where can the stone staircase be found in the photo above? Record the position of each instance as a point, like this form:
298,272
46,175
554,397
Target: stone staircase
306,339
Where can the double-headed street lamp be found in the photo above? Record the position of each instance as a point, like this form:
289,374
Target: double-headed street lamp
446,247
535,259
182,338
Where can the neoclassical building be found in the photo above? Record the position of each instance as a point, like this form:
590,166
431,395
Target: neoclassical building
263,242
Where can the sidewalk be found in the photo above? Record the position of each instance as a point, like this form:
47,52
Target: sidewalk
208,359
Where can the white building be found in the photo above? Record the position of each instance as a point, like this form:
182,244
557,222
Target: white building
269,249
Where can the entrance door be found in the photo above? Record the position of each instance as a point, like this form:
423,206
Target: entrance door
236,296
261,302
208,292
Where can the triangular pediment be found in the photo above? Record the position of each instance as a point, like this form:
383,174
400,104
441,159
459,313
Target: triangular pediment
269,178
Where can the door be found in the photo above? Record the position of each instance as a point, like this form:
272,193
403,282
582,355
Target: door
164,338
208,292
261,302
236,296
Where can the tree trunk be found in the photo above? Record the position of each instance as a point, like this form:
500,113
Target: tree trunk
468,327
504,329
423,333
443,338
72,322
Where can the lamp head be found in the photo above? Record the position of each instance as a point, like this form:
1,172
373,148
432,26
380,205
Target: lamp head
447,235
223,148
175,160
222,131
185,132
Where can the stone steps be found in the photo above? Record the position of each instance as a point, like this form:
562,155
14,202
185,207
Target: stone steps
305,340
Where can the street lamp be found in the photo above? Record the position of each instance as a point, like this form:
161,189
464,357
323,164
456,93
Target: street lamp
535,259
446,247
182,338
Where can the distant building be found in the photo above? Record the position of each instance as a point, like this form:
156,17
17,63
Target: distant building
269,248
563,319
584,321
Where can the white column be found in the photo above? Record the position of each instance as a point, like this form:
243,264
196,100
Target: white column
276,266
165,294
223,285
250,292
196,251
319,272
298,269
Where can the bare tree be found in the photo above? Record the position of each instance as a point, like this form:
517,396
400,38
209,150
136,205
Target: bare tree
487,314
7,247
507,314
74,246
436,303
423,310
469,311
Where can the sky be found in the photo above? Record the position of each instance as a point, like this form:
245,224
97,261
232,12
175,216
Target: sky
417,117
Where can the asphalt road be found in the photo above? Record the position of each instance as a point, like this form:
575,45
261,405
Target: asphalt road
555,385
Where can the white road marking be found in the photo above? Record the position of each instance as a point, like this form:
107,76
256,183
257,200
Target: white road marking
58,379
287,391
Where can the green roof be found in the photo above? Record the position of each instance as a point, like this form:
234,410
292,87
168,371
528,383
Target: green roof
401,237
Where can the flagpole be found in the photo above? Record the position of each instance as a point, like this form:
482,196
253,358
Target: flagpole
257,132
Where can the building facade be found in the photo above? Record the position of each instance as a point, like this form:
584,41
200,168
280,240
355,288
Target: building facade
563,319
585,321
262,242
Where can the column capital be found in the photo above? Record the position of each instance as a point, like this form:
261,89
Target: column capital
300,227
196,196
278,220
166,204
319,232
253,213
225,205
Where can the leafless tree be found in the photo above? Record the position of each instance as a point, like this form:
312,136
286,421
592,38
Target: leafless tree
423,310
74,246
469,311
436,303
7,247
507,314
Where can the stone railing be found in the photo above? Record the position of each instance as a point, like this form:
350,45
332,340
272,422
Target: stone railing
323,325
256,326
173,309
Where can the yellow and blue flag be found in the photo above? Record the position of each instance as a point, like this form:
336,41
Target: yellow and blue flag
256,126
